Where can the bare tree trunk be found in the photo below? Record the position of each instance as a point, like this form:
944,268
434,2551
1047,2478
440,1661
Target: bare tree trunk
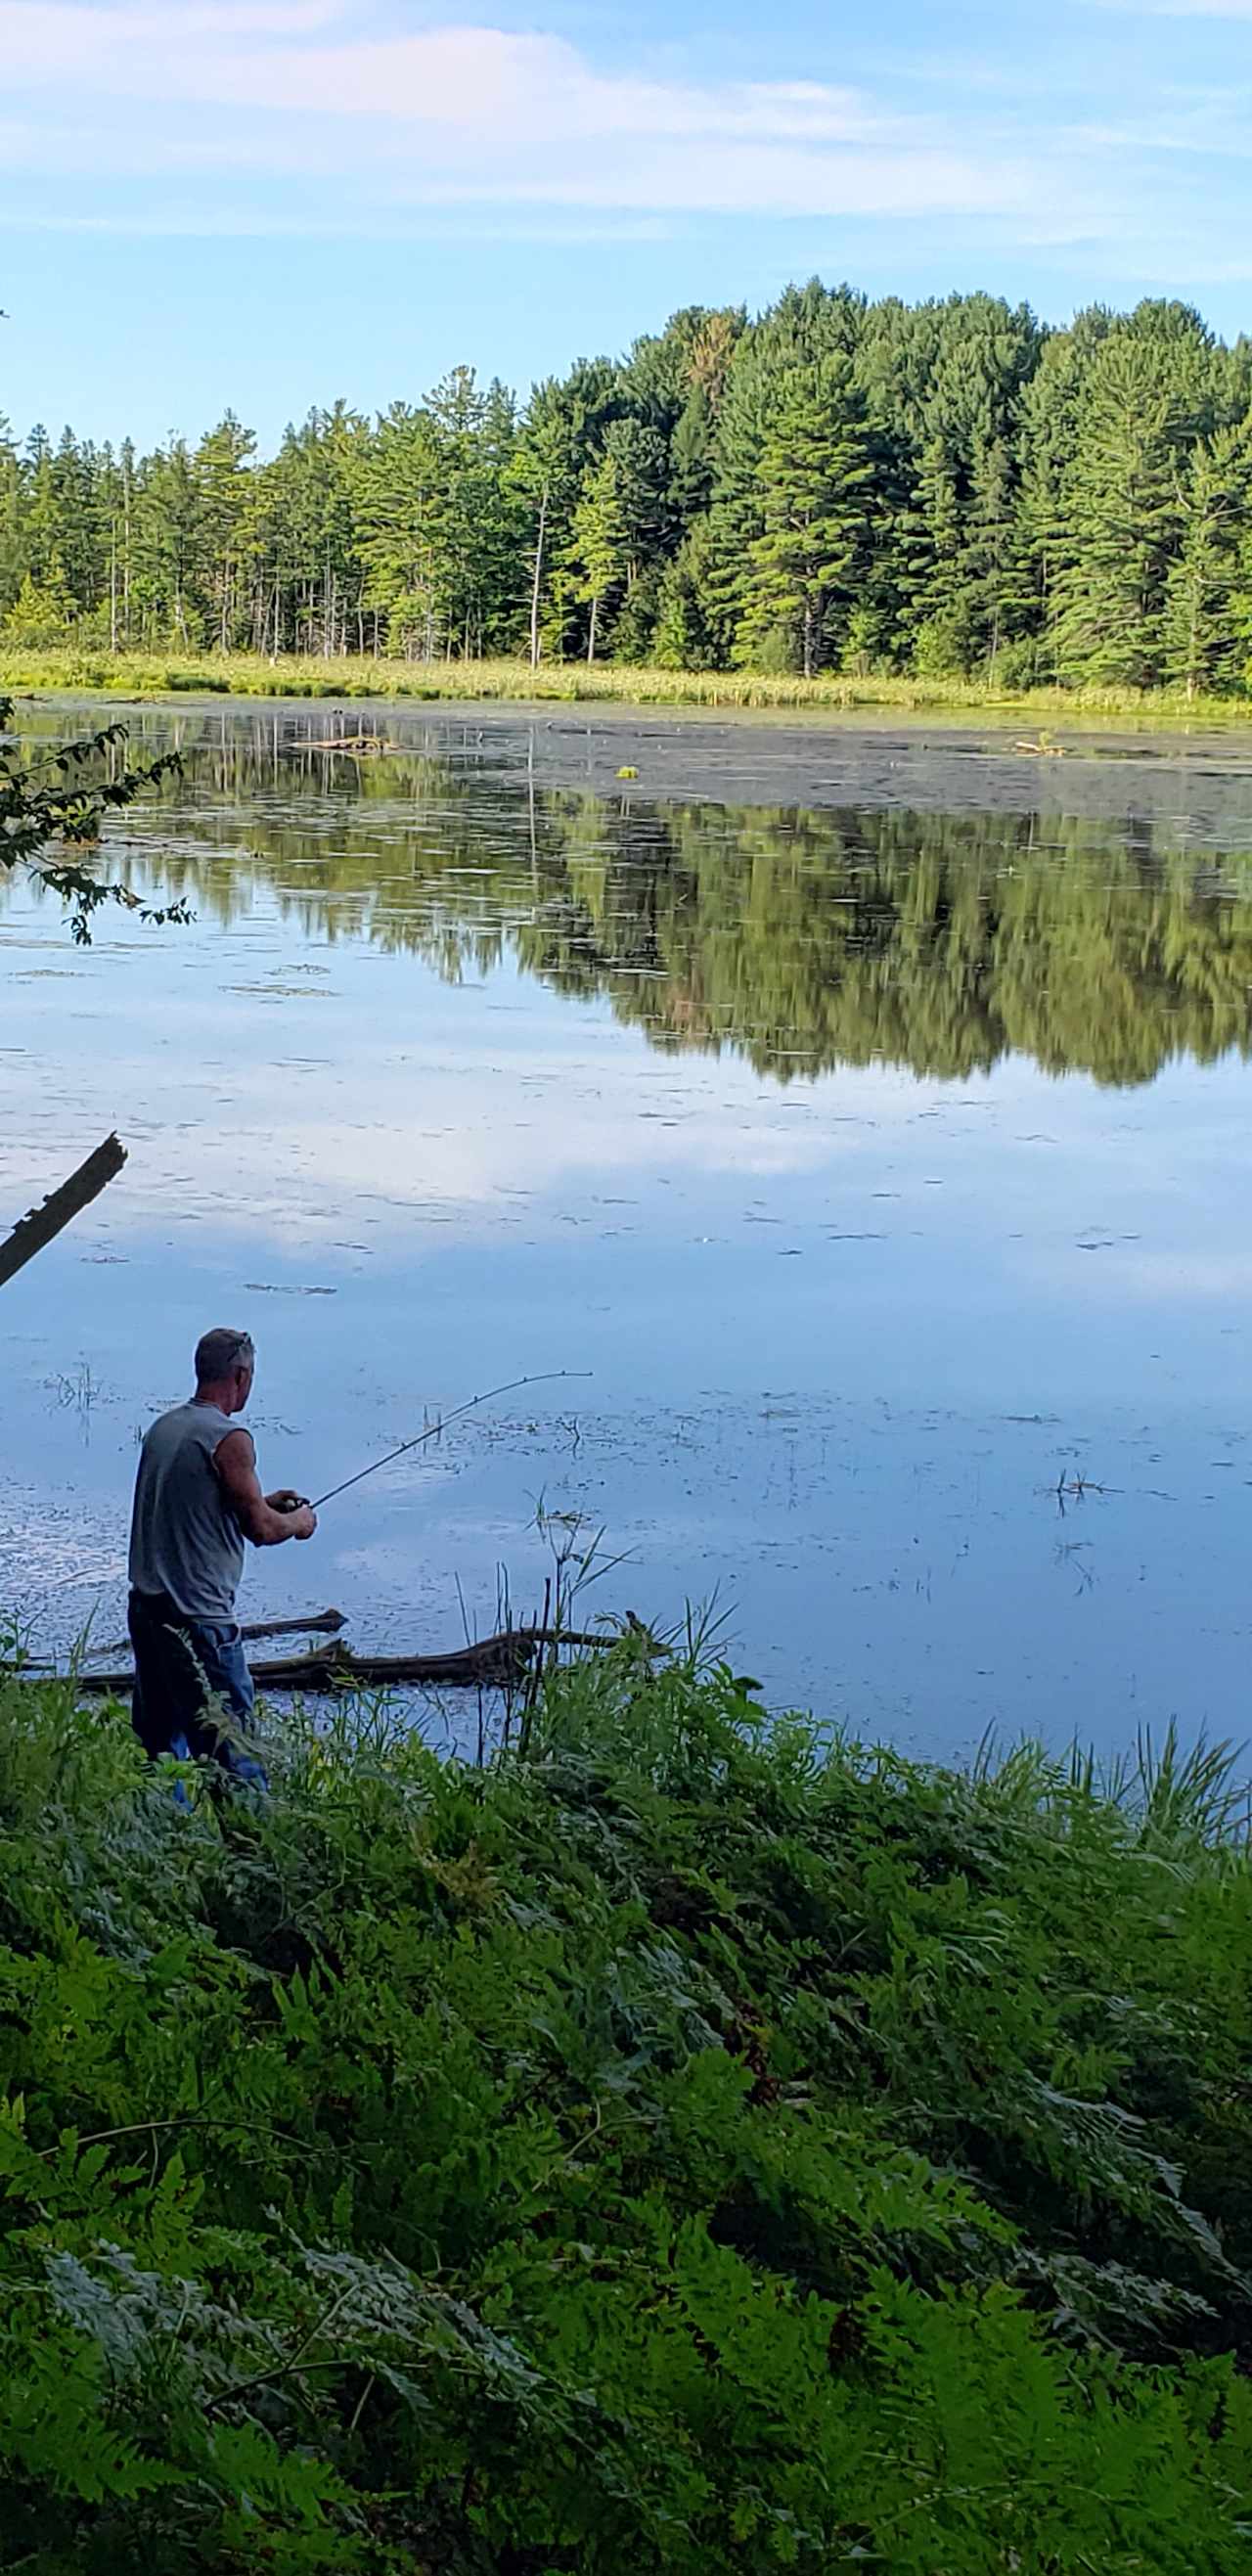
591,639
328,1668
44,1223
538,583
113,589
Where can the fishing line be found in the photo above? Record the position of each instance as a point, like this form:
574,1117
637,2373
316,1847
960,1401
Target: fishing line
549,1378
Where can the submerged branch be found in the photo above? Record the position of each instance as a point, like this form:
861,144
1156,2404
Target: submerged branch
322,1623
491,1663
42,1226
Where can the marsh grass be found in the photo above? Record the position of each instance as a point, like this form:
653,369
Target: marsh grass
162,675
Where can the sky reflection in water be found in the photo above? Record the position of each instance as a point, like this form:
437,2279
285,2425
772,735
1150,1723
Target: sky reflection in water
882,1149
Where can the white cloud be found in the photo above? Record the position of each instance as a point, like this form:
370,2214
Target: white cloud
476,79
457,114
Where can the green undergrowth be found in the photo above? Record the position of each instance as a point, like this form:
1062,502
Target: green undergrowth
158,675
680,2148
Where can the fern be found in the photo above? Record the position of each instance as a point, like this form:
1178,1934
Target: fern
687,2147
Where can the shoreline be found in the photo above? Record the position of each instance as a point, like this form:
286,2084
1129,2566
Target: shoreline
158,676
743,759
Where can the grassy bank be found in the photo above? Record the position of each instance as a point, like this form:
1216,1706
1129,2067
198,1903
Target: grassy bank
673,2151
159,675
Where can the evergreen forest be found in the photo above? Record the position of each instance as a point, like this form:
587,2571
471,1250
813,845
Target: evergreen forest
839,485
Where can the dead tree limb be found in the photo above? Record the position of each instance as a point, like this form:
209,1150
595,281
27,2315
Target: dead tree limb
43,1225
492,1662
324,1623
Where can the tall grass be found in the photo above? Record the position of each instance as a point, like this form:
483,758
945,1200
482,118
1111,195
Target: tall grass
158,675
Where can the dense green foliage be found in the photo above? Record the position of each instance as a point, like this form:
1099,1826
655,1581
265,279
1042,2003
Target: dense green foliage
675,2147
840,485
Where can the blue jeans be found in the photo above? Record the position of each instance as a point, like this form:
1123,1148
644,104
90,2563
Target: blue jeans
186,1672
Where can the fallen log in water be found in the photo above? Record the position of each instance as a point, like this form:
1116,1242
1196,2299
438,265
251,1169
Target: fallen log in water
490,1663
325,1623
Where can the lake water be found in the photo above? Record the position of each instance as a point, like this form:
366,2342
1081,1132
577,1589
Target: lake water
866,1111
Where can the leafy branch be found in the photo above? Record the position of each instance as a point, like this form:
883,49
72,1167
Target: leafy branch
65,802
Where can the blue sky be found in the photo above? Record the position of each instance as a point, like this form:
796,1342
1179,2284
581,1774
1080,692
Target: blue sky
266,203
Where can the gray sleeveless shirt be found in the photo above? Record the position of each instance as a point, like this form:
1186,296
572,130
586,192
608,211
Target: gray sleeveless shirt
184,1538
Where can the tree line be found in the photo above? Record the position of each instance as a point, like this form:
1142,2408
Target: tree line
840,484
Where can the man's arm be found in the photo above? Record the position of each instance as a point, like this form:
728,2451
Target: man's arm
235,1463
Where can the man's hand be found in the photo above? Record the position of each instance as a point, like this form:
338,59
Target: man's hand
269,1520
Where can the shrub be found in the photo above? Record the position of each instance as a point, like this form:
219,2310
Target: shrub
689,2147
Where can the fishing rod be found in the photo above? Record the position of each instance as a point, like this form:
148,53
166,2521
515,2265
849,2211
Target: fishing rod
549,1378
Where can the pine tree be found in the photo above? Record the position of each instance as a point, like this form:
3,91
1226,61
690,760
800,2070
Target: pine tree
297,539
399,496
812,476
43,519
223,463
1047,446
560,436
1204,629
12,549
942,639
81,543
121,544
640,458
691,458
457,411
1120,518
499,535
672,388
167,547
996,567
682,638
952,427
598,542
42,613
806,326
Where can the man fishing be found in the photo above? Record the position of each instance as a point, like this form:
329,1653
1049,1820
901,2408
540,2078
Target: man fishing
197,1498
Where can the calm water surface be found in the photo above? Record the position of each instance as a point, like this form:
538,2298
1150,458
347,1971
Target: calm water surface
867,1112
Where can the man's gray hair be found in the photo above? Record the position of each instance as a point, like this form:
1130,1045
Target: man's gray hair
220,1353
